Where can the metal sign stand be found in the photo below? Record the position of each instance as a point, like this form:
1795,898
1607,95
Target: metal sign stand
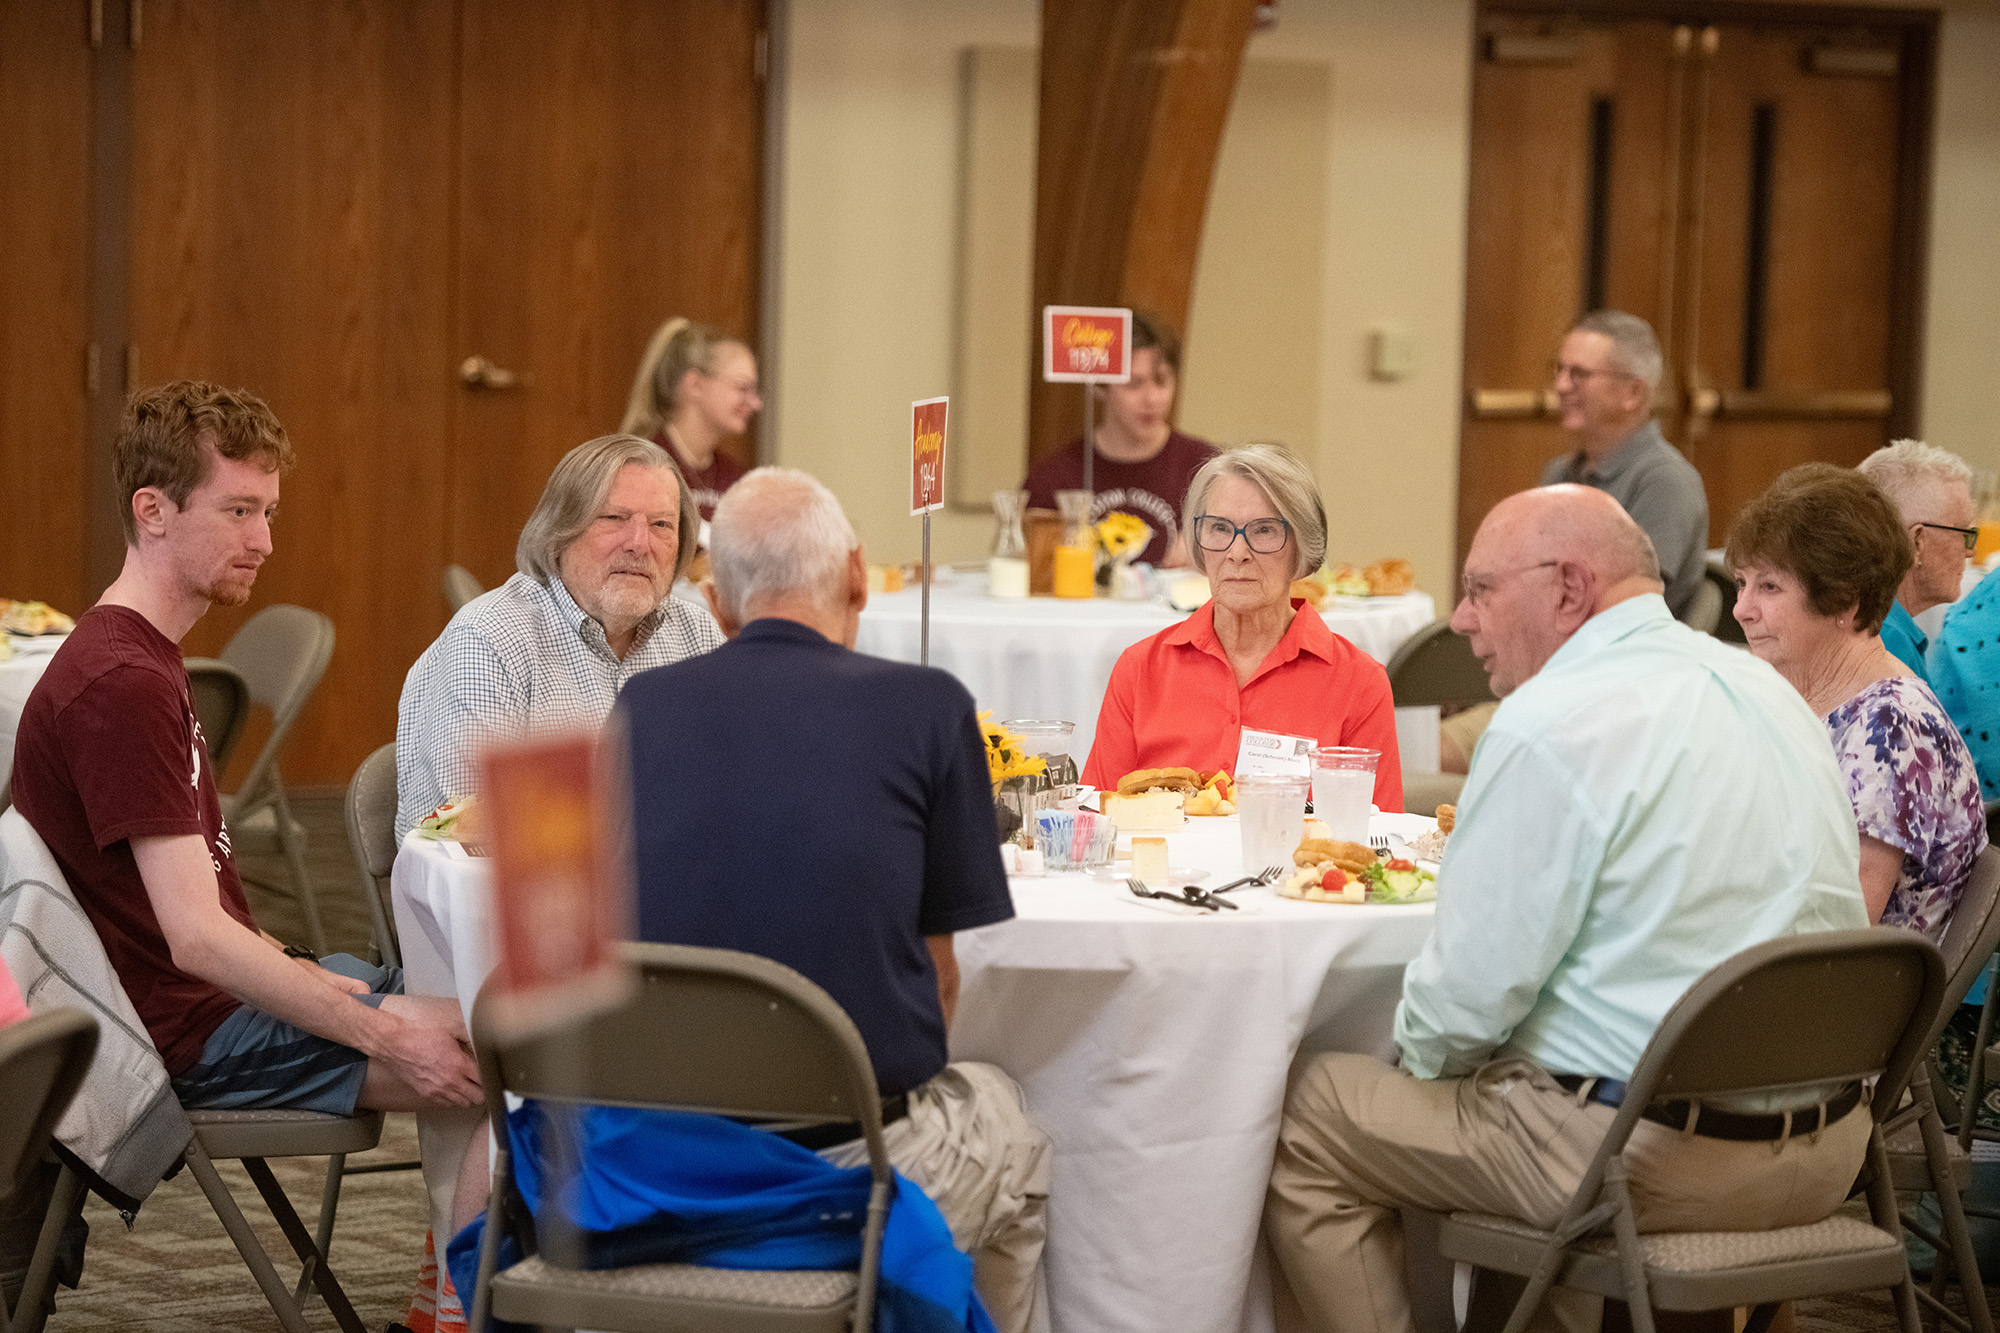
1089,438
924,620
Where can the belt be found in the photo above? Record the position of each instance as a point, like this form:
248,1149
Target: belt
1713,1122
816,1137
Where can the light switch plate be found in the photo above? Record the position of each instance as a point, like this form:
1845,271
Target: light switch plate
1392,352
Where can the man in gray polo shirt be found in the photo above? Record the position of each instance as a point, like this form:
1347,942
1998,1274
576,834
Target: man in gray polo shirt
1606,375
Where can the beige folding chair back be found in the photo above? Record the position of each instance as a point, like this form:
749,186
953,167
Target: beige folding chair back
721,1032
282,652
371,833
460,586
1835,1006
1436,666
221,704
1704,610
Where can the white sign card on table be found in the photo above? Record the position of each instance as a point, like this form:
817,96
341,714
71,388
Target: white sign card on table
1274,752
1087,345
927,436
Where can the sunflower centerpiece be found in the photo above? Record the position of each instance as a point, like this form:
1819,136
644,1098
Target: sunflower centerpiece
1017,778
1120,538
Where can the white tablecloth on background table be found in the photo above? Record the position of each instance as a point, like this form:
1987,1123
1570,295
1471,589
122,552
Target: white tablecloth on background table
1048,657
1153,1049
18,675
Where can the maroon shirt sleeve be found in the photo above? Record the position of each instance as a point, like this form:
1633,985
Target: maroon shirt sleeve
132,757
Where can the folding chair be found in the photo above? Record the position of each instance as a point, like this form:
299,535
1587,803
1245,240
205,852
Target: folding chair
460,586
42,1060
722,1032
1437,666
371,833
1834,1006
221,704
1922,1157
55,954
282,652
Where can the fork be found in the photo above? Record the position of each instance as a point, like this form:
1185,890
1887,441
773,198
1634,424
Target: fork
1257,881
1379,842
1139,889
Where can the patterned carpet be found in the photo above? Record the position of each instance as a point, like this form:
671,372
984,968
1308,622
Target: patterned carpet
176,1271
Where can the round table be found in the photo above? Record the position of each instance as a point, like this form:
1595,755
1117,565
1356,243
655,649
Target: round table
18,675
1153,1049
1049,657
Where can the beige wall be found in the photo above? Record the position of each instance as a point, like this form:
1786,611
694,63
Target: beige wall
873,235
1961,403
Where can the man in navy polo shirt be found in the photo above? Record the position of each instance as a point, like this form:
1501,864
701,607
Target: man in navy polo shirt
832,811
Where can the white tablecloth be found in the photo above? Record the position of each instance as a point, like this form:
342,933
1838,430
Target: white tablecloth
1152,1048
1048,657
18,675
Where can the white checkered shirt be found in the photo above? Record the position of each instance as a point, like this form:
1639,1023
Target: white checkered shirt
520,659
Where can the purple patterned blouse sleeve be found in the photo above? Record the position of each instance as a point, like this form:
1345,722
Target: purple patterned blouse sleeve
1913,786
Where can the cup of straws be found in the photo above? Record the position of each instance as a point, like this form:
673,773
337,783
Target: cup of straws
1074,839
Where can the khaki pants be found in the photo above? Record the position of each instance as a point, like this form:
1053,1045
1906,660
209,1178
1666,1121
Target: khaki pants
968,1143
1359,1139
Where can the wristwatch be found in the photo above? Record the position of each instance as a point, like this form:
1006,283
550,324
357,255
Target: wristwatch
299,951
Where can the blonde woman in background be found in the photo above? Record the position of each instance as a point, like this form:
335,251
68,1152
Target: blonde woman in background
695,388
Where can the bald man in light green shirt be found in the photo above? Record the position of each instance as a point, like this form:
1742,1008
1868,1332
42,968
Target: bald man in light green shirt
1647,803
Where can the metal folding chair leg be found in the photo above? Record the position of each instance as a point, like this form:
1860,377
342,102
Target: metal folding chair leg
302,1244
238,1227
295,862
329,1201
31,1311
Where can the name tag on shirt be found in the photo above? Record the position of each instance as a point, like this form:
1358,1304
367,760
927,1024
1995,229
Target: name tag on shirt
1274,752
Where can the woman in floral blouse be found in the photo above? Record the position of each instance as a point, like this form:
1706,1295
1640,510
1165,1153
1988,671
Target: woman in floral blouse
1817,560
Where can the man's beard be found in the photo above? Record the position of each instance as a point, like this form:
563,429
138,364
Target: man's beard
228,592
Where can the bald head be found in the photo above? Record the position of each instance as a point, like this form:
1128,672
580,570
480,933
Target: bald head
1577,524
1542,564
780,546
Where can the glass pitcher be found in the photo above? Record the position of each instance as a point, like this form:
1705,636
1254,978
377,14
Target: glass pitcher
1007,568
1076,558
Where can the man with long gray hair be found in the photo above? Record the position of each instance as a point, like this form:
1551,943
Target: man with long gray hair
832,811
549,648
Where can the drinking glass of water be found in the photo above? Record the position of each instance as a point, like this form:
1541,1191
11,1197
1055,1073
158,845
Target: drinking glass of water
1343,785
1272,807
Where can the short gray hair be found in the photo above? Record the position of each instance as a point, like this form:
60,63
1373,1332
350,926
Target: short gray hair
1904,469
1285,481
575,493
1634,347
778,533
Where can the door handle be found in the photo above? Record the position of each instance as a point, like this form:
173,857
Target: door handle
478,373
1489,404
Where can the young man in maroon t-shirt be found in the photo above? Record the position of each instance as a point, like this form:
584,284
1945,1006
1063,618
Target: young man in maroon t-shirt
111,769
1143,464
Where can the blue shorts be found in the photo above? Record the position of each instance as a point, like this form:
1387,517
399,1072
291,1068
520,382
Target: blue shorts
256,1061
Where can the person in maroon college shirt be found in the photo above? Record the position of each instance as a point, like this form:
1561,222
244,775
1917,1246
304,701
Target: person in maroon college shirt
111,769
1143,464
695,388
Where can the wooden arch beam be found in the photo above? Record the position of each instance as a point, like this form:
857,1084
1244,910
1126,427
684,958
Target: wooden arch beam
1134,97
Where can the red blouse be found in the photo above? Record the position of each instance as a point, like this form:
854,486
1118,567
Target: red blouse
1173,700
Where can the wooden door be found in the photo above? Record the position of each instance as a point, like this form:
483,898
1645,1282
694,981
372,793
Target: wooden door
610,170
1749,183
290,209
45,91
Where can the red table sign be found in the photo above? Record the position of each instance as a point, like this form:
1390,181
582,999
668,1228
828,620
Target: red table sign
1086,344
927,420
562,896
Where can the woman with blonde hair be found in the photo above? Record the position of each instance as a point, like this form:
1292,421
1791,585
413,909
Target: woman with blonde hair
695,388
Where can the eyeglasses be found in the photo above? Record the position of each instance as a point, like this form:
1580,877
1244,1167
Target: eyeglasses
743,388
1582,375
1265,536
1478,587
1970,536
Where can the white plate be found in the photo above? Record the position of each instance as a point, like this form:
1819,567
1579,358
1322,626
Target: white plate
1120,869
